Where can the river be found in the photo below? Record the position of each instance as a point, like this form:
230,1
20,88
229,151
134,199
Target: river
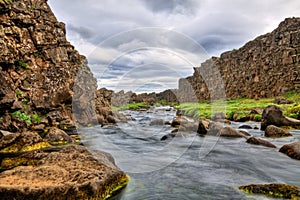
189,166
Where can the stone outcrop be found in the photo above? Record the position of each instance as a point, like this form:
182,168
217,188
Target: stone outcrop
277,190
259,141
272,115
44,80
71,173
267,66
47,90
292,150
275,132
122,98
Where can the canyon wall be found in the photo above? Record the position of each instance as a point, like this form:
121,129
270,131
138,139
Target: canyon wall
267,66
44,80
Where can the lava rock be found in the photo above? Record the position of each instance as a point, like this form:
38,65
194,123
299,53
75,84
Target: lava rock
272,115
274,132
292,150
258,141
71,173
276,190
244,126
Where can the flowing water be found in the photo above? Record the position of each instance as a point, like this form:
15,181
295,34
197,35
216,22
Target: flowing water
189,166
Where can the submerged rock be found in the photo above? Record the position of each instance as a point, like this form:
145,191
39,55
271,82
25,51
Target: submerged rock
292,150
71,173
276,190
272,115
245,126
157,122
274,132
258,141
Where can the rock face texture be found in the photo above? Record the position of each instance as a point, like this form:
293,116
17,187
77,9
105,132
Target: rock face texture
272,115
43,78
71,173
265,67
46,91
123,98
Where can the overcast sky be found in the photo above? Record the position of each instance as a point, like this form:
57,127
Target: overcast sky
147,45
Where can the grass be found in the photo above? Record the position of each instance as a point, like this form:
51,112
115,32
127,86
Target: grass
239,109
21,116
132,106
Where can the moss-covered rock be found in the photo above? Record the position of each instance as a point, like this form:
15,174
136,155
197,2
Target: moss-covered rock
274,190
71,173
22,142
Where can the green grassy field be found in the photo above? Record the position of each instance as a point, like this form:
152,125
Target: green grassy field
239,109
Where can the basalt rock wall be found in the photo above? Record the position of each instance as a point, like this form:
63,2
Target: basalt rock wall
44,80
267,66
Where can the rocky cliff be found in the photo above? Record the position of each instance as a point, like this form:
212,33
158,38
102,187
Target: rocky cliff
44,80
46,90
265,67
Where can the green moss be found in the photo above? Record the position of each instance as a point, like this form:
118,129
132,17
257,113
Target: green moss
20,64
21,116
293,111
1,119
18,147
9,163
116,187
274,190
18,93
36,118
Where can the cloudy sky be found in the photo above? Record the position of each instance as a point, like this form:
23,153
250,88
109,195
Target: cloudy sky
147,45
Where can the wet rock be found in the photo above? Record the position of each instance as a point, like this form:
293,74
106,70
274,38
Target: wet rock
167,123
230,132
71,173
5,133
272,115
244,126
258,111
258,141
157,122
169,136
274,132
56,136
203,127
282,101
22,142
214,128
292,150
276,190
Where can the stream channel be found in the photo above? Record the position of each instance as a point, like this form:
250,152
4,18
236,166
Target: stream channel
189,166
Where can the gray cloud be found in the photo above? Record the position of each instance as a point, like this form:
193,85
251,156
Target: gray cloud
106,32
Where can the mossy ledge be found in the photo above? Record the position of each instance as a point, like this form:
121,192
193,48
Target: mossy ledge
276,190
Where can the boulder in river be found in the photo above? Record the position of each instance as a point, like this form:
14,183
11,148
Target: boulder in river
245,126
231,132
275,132
71,173
272,115
292,150
258,141
203,126
276,190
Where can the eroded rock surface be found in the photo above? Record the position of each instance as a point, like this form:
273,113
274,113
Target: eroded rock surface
71,173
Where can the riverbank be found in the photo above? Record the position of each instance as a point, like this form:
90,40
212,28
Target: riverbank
239,110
